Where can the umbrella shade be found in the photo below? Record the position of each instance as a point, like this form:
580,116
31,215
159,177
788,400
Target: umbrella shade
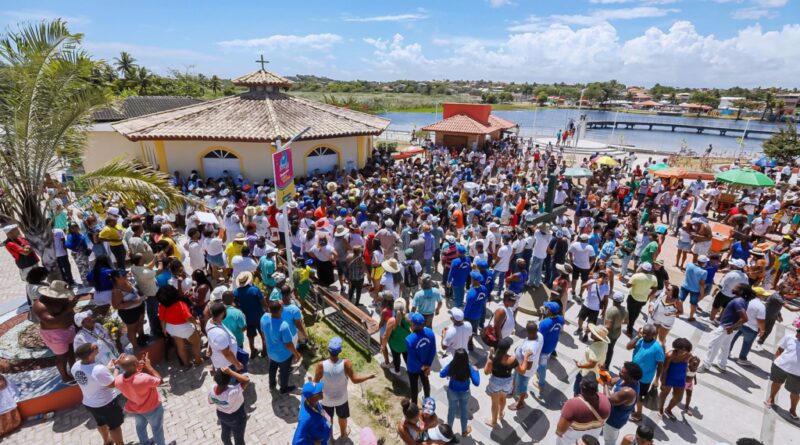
671,172
745,176
578,172
659,166
606,160
765,162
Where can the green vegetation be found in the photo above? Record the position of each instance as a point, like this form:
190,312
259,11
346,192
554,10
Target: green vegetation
783,146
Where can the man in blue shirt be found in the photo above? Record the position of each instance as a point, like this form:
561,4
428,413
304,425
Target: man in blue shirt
313,426
649,355
516,281
280,346
427,301
694,283
249,300
459,274
733,317
476,303
267,266
421,344
291,314
550,329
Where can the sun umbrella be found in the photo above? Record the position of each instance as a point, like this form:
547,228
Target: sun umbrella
745,176
606,160
671,172
578,172
765,162
659,166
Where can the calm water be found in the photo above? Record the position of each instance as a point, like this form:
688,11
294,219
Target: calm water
549,121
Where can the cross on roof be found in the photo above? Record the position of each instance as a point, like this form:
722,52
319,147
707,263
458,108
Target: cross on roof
262,61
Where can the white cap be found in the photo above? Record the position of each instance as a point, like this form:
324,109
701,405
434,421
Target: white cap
647,267
702,259
457,314
618,296
113,211
389,223
216,294
585,237
9,228
79,317
738,263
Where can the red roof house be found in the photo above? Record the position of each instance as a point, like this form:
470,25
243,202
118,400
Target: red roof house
468,124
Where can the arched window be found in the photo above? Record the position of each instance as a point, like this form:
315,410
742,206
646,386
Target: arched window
220,154
322,151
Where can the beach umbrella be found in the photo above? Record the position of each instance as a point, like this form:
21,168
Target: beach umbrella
765,162
671,172
578,172
606,160
745,176
659,166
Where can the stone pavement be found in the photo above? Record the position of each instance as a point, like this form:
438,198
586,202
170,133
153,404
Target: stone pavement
725,406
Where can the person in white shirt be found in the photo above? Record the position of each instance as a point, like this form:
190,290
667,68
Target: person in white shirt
786,370
532,347
458,335
227,395
221,341
99,397
542,237
581,254
502,263
761,225
194,247
243,263
754,326
90,331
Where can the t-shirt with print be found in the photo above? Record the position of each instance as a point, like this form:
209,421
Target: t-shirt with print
220,339
93,380
229,400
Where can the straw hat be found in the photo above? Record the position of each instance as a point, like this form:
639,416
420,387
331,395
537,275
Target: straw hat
565,268
240,238
58,290
332,186
391,265
341,231
600,332
757,251
244,278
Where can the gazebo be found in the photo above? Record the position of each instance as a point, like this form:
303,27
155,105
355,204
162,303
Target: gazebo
468,125
236,135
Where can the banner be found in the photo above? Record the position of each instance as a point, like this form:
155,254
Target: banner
284,176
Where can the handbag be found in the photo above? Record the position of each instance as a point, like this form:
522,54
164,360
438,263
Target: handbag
489,334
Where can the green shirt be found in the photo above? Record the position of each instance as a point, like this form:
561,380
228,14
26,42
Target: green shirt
649,252
235,322
60,220
615,314
397,339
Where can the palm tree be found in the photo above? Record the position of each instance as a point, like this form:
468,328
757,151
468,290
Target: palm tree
144,78
125,64
769,103
215,84
45,107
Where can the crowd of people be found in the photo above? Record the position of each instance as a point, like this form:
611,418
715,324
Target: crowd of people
454,229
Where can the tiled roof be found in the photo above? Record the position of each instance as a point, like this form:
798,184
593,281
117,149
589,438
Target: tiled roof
255,116
461,123
262,77
135,106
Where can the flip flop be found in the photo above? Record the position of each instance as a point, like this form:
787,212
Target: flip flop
671,416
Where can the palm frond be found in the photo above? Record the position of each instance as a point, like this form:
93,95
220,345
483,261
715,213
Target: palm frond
130,181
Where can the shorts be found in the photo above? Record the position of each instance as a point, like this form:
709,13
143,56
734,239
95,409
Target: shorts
437,255
183,330
215,260
377,273
689,385
520,383
702,248
252,329
684,245
58,340
500,385
720,300
110,415
342,411
644,388
131,315
341,268
694,297
578,272
589,315
778,375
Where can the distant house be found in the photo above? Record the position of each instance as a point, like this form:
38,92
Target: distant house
726,103
646,105
642,97
468,125
683,97
791,101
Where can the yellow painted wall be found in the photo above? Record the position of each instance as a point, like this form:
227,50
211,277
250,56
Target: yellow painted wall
103,146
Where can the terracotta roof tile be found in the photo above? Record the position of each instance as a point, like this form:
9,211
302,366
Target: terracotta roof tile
262,77
256,116
461,123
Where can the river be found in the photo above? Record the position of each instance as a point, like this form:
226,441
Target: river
549,121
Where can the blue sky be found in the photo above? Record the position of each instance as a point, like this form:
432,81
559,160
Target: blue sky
675,42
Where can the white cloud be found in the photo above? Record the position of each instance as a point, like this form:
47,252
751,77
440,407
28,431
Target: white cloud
499,3
33,15
679,55
388,18
535,23
146,52
771,3
281,42
752,13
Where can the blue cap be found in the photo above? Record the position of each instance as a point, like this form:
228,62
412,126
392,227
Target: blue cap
416,318
429,202
407,213
362,207
481,263
461,249
343,211
309,262
426,209
311,388
553,307
335,345
475,275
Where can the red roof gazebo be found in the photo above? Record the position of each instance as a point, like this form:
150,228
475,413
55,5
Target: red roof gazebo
467,125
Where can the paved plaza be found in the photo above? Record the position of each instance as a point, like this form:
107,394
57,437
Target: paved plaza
725,406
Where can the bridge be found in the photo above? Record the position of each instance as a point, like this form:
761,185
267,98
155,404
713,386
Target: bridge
699,129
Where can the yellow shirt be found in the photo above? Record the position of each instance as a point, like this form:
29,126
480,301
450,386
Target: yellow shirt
175,251
595,352
232,250
112,235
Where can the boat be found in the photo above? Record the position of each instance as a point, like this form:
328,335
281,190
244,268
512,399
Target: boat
669,113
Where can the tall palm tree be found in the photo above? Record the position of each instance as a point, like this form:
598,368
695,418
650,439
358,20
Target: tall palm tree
769,104
215,84
144,78
45,107
125,64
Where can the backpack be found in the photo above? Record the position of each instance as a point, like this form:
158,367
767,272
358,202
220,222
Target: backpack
410,277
